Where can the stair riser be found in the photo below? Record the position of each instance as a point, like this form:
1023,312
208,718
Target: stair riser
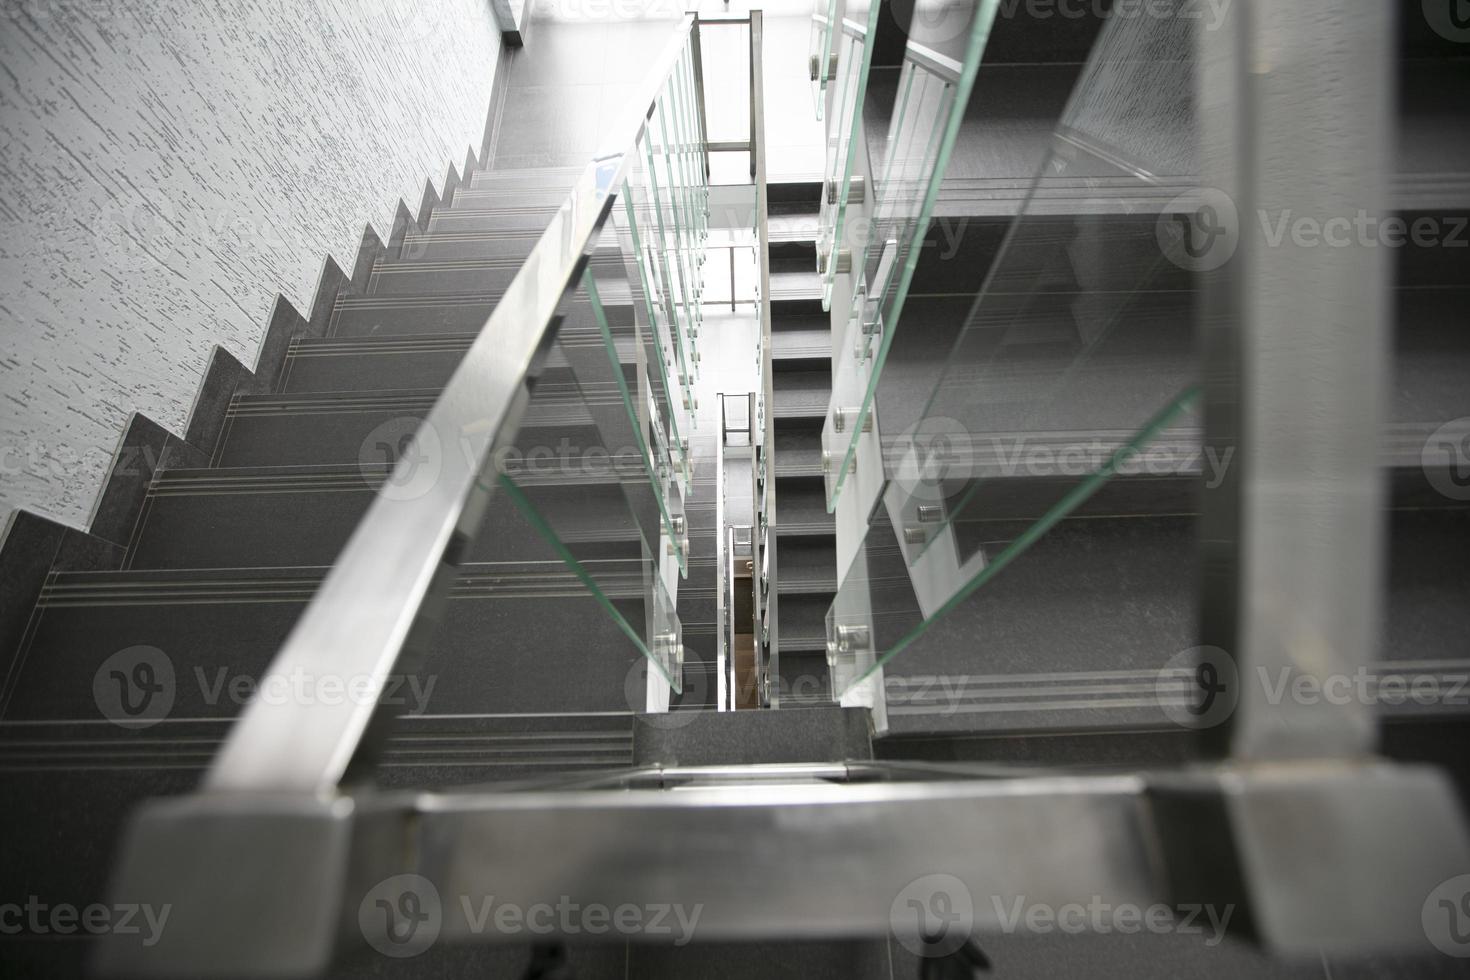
392,370
490,656
283,528
515,222
442,279
314,436
478,198
547,178
375,318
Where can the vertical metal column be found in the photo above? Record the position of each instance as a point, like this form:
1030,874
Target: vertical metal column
771,666
1297,116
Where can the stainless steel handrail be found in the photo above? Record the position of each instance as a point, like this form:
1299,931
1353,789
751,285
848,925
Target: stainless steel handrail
381,599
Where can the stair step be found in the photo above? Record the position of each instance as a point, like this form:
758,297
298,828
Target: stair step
801,507
383,363
451,311
366,316
539,178
804,622
801,394
1072,636
488,243
795,286
73,786
511,221
493,196
806,680
491,656
807,564
794,198
802,345
302,516
798,449
439,276
797,255
477,276
483,746
348,427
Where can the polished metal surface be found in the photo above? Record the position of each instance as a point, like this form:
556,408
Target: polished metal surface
799,852
767,636
1298,348
380,598
794,859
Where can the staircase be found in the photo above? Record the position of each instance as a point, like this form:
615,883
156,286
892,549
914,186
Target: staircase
1003,636
1042,319
801,379
231,544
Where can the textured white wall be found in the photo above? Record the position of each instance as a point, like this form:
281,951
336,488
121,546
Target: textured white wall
168,166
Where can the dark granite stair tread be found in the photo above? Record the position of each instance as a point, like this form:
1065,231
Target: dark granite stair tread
485,242
477,741
798,449
796,229
399,315
794,198
808,564
489,657
791,344
336,427
793,286
793,254
389,363
802,507
526,179
302,516
492,197
395,278
801,394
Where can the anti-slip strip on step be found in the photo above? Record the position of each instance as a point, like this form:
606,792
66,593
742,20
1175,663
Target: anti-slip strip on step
616,293
607,269
598,748
610,247
425,301
505,579
625,468
548,397
408,346
819,585
379,344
